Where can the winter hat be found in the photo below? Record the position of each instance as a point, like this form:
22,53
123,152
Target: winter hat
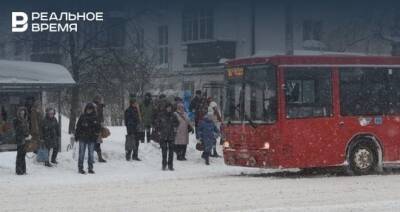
90,106
178,99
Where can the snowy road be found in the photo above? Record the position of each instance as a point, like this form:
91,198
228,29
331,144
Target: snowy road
141,186
225,193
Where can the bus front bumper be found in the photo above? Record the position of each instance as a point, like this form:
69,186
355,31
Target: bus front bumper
261,158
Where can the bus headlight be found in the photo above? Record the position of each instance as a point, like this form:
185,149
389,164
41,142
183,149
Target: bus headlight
226,144
266,145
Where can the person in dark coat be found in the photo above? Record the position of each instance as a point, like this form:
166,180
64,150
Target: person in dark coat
87,132
208,132
98,101
51,134
168,123
194,107
21,127
147,109
132,121
159,108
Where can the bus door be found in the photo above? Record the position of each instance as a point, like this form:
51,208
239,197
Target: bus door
309,126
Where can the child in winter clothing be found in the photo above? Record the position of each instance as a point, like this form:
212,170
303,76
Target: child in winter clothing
208,134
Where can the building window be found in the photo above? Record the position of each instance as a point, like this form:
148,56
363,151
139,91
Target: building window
209,53
116,32
197,24
139,38
110,33
163,44
312,30
2,50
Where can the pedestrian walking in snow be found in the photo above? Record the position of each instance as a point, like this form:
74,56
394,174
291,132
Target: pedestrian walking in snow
182,133
216,117
98,101
21,127
87,132
51,135
208,134
132,122
168,123
147,108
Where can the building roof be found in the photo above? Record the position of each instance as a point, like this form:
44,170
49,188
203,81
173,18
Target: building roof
33,74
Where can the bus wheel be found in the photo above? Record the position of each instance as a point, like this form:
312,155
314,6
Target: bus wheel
363,159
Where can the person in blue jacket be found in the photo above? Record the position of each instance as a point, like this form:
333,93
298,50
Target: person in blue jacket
208,134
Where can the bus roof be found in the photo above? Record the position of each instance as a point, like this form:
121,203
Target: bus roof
320,60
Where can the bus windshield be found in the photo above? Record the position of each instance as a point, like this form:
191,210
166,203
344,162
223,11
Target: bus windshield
251,95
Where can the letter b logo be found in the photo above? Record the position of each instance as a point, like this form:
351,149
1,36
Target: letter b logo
19,21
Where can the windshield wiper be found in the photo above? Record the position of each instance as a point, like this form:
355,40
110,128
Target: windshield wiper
250,121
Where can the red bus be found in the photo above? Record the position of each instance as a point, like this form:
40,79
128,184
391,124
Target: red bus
313,111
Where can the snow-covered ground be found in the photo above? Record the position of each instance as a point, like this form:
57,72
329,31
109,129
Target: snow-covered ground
141,186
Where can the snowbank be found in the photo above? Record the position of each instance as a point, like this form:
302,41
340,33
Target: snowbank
117,168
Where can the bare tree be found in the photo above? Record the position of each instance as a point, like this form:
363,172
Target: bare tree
98,60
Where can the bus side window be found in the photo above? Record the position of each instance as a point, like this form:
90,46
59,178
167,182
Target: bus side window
308,93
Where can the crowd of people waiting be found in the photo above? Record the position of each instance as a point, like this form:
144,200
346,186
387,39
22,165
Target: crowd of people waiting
160,120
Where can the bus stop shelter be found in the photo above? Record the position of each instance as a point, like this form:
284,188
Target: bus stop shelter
22,81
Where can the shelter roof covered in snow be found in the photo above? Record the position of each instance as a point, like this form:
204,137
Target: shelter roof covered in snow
33,74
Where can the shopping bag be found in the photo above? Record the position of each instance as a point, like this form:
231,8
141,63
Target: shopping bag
200,146
105,132
42,154
31,145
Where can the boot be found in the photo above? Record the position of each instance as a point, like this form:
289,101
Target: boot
215,153
47,163
207,158
54,162
91,171
128,155
164,168
100,156
81,171
171,168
